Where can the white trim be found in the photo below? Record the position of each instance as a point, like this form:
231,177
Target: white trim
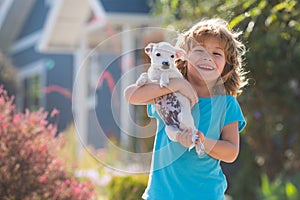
98,9
50,23
79,97
56,50
32,68
132,18
128,43
26,42
4,9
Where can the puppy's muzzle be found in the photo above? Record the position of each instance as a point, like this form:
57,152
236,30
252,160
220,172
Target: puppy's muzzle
165,65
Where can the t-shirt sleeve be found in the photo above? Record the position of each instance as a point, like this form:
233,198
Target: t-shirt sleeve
151,111
234,113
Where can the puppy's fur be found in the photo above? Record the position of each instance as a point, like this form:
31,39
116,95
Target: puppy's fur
174,108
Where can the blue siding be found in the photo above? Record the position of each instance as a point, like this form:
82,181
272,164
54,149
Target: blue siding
36,19
30,55
104,113
60,74
126,6
59,69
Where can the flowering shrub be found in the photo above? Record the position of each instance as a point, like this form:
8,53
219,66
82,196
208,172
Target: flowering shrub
29,165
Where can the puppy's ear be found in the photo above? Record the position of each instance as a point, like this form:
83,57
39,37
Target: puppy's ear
180,53
148,48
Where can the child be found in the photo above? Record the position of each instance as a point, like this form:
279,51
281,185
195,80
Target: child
213,78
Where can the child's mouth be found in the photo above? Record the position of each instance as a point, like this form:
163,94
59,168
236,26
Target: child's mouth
206,68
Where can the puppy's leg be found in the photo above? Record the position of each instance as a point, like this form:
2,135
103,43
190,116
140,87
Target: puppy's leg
142,80
186,120
185,116
164,79
171,132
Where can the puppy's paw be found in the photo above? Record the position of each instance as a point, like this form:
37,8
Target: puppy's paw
142,80
163,84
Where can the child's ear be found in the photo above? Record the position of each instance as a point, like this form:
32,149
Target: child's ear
180,54
148,48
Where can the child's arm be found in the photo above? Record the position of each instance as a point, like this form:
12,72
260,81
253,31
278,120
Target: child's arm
141,95
225,149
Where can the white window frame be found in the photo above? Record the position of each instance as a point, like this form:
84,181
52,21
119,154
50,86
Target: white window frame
35,68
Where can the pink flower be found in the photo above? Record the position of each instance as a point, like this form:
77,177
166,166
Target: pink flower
43,179
43,148
16,119
67,182
77,190
54,112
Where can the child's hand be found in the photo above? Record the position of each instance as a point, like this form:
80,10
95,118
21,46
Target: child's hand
201,136
185,137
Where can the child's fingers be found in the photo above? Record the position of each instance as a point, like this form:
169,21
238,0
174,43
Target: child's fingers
194,99
185,137
201,136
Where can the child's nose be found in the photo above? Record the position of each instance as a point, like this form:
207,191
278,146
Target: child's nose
206,56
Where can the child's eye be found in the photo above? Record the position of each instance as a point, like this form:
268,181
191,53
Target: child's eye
157,54
217,54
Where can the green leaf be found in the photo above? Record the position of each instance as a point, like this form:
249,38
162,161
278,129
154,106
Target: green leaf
288,5
291,190
235,21
174,4
265,185
272,18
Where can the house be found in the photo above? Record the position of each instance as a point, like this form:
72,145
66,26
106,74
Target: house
78,56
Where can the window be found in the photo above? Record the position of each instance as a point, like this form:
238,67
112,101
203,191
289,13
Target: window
31,83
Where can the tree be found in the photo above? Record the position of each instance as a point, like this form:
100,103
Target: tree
273,34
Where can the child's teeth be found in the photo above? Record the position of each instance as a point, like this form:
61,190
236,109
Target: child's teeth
206,67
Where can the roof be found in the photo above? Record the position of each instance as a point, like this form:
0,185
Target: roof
63,26
68,18
12,17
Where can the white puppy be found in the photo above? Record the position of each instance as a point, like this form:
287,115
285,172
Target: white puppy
174,108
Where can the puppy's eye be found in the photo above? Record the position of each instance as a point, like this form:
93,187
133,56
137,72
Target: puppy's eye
172,56
157,54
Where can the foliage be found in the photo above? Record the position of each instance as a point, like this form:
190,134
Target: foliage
182,14
249,171
127,187
278,189
29,166
84,163
273,32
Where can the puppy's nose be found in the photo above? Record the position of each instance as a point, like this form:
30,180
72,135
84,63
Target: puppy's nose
165,64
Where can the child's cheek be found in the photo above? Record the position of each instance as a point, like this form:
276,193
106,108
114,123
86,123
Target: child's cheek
192,57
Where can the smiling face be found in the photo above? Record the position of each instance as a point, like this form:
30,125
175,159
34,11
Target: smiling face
206,60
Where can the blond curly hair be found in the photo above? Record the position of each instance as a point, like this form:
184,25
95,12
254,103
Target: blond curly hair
232,78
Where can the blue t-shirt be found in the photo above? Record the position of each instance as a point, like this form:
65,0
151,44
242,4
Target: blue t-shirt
177,173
